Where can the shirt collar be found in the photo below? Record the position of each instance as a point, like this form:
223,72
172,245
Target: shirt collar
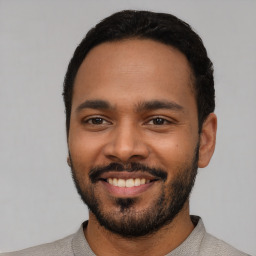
191,244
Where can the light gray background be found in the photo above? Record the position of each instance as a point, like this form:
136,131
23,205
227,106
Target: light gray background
38,202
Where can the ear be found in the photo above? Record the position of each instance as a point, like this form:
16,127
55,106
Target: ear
207,140
68,161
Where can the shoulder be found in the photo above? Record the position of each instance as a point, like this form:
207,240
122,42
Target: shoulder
211,245
62,247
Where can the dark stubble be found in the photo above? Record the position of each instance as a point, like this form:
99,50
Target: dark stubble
127,222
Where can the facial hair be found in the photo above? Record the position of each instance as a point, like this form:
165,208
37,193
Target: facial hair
129,223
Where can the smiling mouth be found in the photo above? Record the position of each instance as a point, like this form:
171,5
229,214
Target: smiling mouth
128,183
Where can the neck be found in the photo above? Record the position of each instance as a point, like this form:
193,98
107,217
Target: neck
165,240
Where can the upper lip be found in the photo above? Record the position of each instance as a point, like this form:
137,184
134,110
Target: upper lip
127,175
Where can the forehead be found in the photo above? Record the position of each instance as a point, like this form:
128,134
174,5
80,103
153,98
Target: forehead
135,68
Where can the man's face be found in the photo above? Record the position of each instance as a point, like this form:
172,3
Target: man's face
133,137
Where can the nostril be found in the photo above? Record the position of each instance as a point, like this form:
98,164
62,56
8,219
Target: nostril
124,147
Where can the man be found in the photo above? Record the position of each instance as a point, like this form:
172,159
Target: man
139,98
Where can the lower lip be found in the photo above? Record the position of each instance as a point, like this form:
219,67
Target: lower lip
126,192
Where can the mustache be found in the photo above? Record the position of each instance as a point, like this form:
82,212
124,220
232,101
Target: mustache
96,172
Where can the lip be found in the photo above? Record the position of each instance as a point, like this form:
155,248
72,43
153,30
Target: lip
128,175
124,191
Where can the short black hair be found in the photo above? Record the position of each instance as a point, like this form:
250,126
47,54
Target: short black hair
160,27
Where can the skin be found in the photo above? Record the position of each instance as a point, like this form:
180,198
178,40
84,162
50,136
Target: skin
125,74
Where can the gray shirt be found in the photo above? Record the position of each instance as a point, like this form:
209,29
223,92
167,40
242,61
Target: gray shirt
198,243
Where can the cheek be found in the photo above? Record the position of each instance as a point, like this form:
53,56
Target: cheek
173,150
84,149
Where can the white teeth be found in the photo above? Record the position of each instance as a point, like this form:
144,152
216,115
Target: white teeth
137,182
121,183
142,181
127,183
115,181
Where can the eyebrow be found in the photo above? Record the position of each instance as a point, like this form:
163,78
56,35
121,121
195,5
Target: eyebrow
140,107
158,104
94,104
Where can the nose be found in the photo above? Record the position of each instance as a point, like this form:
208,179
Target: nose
126,144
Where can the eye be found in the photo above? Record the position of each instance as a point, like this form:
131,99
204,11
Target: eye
159,121
95,121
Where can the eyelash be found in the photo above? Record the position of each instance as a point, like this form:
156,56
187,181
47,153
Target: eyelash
163,121
157,121
90,120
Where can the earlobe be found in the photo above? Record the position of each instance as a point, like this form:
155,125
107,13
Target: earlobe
207,140
68,161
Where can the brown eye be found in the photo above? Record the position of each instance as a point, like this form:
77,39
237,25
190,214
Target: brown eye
159,121
96,120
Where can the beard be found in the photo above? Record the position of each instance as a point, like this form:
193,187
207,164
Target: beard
129,222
